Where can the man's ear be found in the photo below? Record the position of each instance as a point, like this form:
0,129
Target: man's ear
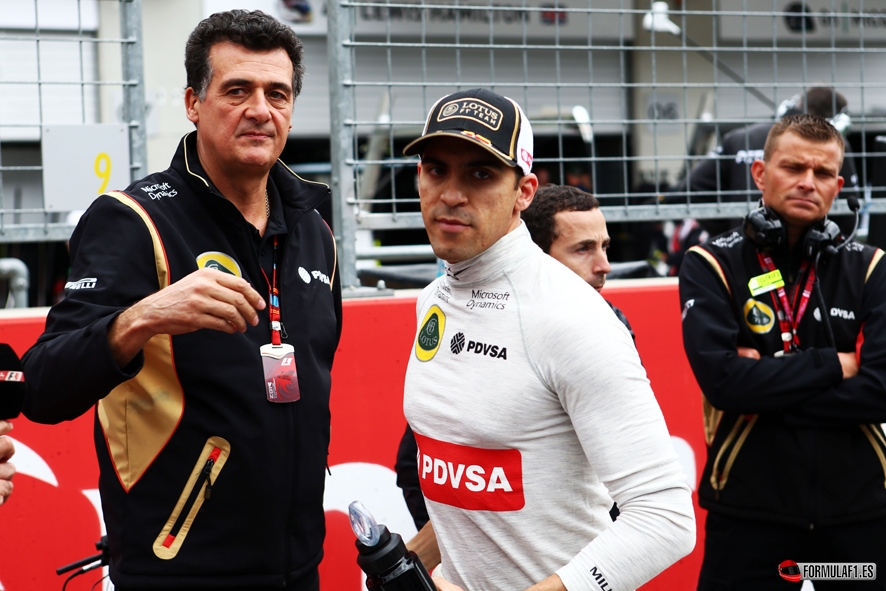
191,100
527,187
758,171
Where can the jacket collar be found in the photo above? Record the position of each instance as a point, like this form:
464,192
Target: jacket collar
295,192
507,254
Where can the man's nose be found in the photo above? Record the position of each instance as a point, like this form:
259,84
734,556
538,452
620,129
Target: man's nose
258,108
807,179
452,194
601,264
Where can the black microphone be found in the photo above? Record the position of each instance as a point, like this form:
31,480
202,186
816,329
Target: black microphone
854,206
12,383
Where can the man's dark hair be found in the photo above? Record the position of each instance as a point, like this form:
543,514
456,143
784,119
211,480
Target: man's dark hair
254,30
550,200
809,127
822,101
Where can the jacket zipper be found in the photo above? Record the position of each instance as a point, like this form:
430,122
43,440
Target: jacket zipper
205,478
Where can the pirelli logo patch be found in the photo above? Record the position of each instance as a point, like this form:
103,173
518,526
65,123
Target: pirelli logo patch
470,478
473,109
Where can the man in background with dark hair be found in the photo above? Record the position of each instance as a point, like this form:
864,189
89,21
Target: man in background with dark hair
566,223
784,326
212,422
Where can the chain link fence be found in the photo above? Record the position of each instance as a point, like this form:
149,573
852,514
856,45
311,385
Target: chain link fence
625,98
72,124
66,67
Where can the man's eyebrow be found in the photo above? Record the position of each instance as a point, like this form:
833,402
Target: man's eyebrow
247,82
432,160
491,162
487,162
586,243
282,86
236,82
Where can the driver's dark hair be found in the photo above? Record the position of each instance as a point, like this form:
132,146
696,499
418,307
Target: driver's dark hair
254,30
550,200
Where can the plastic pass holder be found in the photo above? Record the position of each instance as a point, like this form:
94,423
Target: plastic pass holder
281,377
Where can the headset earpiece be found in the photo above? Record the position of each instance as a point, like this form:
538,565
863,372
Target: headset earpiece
788,104
764,228
823,237
841,121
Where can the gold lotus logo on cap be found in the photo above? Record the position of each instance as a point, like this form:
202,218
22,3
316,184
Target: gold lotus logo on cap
474,110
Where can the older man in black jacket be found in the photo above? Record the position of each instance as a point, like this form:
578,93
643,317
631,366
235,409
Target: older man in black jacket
212,420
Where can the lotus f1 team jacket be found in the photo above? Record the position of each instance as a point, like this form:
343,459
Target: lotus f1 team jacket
790,441
204,482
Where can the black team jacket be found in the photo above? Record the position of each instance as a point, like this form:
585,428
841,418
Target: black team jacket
790,441
204,482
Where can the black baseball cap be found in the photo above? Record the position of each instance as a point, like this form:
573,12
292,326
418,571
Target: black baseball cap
493,122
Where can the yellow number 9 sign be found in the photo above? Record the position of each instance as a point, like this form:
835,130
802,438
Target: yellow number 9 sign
103,170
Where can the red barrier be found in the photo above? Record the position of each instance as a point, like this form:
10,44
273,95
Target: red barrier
52,520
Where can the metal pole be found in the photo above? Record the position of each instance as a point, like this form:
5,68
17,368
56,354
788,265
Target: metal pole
134,84
341,136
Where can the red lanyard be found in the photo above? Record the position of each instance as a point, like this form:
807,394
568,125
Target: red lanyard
274,311
786,321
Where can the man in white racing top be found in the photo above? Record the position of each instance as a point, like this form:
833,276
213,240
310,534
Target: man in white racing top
528,400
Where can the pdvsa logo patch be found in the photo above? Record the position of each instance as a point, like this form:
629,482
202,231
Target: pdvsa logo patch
758,316
471,478
430,334
220,262
316,275
457,345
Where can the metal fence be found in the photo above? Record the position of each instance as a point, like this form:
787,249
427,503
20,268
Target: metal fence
65,64
624,97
